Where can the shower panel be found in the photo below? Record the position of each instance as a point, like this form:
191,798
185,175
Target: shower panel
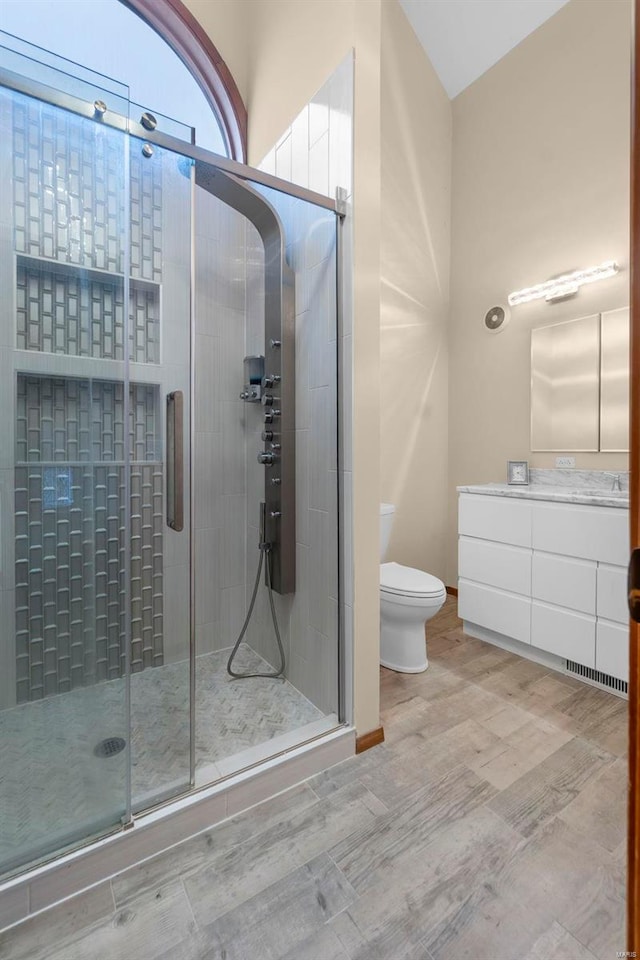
278,386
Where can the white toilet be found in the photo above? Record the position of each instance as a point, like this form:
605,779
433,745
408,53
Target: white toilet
408,598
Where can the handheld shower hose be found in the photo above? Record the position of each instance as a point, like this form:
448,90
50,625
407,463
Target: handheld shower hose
265,550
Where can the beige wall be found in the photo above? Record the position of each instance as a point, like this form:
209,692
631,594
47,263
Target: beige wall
540,185
281,52
294,46
225,21
415,252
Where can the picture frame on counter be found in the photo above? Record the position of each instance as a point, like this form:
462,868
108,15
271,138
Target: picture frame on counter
518,471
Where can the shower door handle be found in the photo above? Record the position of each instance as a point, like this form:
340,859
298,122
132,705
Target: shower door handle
175,460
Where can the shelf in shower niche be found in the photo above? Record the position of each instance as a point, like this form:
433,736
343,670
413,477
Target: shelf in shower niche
40,364
76,270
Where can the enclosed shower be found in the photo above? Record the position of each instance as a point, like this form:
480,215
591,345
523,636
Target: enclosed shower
169,396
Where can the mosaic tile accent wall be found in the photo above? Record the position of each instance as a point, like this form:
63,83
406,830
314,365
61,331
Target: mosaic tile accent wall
70,209
69,192
70,533
146,217
64,169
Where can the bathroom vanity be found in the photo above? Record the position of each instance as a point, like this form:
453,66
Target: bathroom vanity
542,571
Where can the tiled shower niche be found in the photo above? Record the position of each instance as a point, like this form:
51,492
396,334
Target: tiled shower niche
81,313
70,533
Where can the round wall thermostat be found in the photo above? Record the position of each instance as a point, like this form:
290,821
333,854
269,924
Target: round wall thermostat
496,318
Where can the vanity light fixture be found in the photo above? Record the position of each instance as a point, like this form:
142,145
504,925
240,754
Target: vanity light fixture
565,285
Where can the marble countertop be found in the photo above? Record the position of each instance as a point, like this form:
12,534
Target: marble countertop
561,486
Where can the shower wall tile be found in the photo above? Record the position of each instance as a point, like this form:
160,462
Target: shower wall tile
319,569
320,448
7,535
7,400
7,631
68,187
227,376
233,605
204,306
175,209
254,295
269,162
146,203
207,481
207,368
321,146
65,422
319,115
321,324
206,636
300,149
303,443
219,455
304,337
175,343
283,158
7,281
232,449
232,570
319,165
320,246
341,128
176,548
209,558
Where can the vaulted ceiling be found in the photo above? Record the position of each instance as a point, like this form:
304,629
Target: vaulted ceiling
463,38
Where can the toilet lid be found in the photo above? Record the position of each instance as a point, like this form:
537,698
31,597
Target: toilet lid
408,582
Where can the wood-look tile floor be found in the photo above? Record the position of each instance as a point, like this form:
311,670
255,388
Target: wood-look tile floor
489,825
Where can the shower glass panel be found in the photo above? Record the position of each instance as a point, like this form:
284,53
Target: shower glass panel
120,261
241,721
64,456
160,540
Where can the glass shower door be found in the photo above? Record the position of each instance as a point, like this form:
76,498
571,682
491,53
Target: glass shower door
160,540
64,458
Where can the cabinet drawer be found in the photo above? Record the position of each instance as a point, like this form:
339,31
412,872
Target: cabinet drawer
612,593
612,649
564,632
591,533
495,518
495,564
564,581
506,613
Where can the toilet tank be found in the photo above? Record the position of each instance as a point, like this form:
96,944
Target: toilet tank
387,511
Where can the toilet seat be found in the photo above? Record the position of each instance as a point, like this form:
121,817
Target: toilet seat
398,581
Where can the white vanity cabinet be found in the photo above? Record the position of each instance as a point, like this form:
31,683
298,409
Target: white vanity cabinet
548,575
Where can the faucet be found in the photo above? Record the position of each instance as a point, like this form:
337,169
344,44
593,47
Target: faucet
616,480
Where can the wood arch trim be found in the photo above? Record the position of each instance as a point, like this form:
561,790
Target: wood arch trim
179,28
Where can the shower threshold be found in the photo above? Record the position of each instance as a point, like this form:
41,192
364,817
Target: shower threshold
166,826
65,783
